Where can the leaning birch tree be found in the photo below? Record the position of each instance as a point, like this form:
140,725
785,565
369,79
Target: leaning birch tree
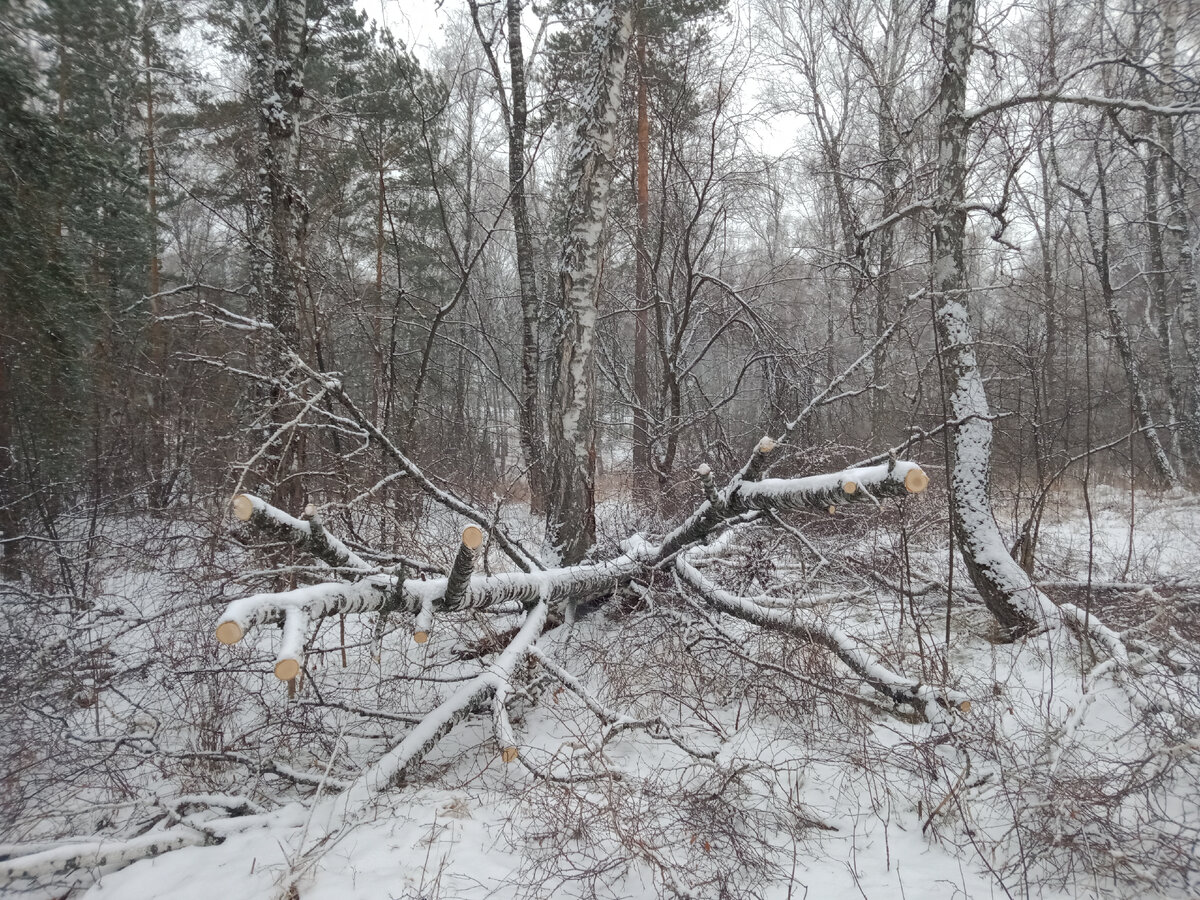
1006,588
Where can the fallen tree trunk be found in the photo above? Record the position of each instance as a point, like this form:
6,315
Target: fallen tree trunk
792,621
558,586
378,592
368,589
99,857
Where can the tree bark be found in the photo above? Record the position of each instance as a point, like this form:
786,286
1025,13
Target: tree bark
642,485
1098,231
376,590
1003,584
278,209
1160,310
160,482
1182,298
530,418
570,515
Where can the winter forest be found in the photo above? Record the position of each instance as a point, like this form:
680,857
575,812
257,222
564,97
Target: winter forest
599,449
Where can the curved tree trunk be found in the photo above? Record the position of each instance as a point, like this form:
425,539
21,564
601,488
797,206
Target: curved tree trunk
1003,584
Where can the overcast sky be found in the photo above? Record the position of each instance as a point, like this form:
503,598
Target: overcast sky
416,22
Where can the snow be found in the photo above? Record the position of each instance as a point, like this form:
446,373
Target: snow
778,490
696,760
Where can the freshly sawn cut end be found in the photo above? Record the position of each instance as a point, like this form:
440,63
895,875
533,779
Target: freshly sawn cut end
915,481
287,669
243,507
472,537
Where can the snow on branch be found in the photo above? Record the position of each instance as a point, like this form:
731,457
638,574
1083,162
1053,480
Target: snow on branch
1095,101
523,558
307,535
495,680
789,620
745,493
96,856
824,491
109,855
377,592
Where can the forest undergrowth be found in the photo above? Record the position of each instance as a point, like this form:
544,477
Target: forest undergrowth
666,749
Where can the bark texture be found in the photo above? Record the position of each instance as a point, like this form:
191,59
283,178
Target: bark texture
531,422
1003,584
277,210
571,516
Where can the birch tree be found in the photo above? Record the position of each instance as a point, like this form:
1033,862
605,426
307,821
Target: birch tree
276,211
572,466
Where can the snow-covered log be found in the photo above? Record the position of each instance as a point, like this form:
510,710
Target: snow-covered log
98,857
822,491
746,492
803,625
376,592
307,535
291,645
560,586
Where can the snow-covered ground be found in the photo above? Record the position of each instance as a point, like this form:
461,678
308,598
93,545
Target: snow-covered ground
774,773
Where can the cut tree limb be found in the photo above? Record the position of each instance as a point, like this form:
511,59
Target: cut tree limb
309,536
559,587
896,479
374,592
795,622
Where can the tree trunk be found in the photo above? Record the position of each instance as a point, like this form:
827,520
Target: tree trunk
278,209
641,375
1098,236
10,519
1159,308
1178,252
160,482
530,419
1004,586
570,515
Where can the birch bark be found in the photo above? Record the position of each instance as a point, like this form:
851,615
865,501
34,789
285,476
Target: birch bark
570,517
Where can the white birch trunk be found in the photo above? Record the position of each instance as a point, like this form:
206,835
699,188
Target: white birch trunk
1003,584
570,515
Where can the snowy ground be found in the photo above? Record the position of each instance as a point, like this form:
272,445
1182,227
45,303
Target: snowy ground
1063,775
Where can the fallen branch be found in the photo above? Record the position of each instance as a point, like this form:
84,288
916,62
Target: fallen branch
883,680
308,535
394,764
559,586
376,592
99,857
